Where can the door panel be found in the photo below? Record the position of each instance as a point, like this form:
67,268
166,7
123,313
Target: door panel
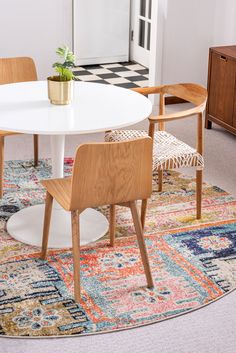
141,29
221,99
101,31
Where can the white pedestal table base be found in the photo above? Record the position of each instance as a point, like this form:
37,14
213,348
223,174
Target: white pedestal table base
27,226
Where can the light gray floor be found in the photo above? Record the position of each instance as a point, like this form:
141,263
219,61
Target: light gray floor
209,330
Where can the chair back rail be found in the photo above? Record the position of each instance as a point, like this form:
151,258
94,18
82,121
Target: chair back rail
191,92
19,69
111,173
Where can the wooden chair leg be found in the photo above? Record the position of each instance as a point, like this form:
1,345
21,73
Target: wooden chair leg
199,193
76,253
1,164
141,243
36,150
112,225
46,225
143,213
160,180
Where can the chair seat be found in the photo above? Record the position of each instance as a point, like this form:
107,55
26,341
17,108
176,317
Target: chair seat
168,151
60,189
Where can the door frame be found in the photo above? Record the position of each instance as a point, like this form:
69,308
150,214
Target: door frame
159,14
137,52
159,10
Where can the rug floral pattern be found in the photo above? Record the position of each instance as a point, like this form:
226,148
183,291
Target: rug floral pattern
193,262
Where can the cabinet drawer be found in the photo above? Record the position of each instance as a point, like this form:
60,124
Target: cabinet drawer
222,88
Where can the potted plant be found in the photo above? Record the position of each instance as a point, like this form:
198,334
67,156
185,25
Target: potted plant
60,86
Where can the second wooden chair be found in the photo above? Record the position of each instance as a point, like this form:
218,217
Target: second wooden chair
117,173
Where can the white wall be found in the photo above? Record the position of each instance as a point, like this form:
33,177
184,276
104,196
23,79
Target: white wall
190,28
35,28
225,22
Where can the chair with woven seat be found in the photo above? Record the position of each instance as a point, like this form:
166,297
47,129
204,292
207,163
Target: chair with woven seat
117,173
168,151
12,70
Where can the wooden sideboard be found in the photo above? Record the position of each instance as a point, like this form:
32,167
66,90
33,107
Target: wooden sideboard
221,106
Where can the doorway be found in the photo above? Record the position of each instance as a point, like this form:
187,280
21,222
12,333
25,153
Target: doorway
141,30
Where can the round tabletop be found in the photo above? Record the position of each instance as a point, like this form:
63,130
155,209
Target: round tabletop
25,108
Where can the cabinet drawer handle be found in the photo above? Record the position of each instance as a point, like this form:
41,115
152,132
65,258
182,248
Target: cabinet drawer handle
223,58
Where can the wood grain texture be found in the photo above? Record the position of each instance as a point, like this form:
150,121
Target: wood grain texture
227,50
143,212
112,224
60,189
222,85
19,69
76,253
13,70
200,133
199,193
115,173
141,243
221,107
112,173
46,224
160,180
190,92
36,150
148,90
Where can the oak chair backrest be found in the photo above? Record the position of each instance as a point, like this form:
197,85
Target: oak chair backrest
19,69
111,173
191,92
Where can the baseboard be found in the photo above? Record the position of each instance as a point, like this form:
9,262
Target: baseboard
101,60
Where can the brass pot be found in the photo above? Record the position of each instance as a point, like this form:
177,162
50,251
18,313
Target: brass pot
59,92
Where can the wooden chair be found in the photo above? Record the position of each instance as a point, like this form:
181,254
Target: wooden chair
168,151
103,174
13,70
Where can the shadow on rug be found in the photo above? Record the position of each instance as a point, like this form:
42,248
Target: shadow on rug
193,262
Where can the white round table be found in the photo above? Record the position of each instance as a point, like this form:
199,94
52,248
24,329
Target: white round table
25,108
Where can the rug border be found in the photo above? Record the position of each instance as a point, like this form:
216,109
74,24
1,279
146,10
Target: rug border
120,329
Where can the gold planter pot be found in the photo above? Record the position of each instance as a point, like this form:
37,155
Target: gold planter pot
60,92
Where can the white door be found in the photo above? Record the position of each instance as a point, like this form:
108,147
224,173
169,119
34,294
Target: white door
141,21
101,31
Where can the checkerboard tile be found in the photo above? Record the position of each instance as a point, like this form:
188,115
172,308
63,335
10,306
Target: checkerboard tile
127,75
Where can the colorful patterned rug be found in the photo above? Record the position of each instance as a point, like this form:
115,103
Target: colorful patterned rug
193,262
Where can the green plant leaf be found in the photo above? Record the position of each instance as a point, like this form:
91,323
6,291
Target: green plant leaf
68,64
57,65
64,68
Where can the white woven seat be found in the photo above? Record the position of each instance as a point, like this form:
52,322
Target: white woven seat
168,151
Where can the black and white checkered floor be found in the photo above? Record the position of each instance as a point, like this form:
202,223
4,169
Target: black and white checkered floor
127,75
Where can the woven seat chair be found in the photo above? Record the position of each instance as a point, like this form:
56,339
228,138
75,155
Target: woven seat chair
168,151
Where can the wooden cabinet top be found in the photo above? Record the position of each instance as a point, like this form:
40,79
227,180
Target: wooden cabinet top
229,51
